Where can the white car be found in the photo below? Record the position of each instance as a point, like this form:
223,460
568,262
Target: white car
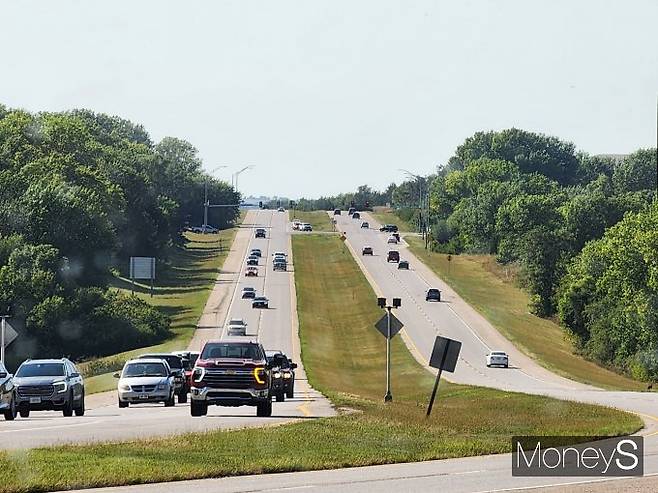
281,209
306,227
296,225
279,254
251,271
392,239
237,327
145,380
497,358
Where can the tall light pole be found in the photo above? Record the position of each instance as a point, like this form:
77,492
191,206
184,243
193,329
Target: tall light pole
237,174
419,179
205,198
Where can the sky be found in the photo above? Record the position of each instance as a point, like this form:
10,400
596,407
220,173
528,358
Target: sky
323,96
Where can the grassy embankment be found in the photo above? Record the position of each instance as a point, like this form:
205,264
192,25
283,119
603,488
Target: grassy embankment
320,220
181,290
386,216
344,357
480,282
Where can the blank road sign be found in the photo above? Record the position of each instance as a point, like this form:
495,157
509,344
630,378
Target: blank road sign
445,354
382,325
10,334
142,267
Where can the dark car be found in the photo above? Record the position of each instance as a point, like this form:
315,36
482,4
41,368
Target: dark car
356,215
336,212
256,252
177,365
252,260
278,360
49,385
365,225
403,264
231,373
433,294
389,228
393,256
351,211
260,233
366,250
280,265
8,405
260,302
189,358
248,293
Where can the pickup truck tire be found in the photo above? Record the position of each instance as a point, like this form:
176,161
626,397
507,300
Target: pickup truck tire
291,393
182,397
281,396
264,409
198,408
123,404
170,402
80,410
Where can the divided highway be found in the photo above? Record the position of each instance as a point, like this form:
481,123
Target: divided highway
275,327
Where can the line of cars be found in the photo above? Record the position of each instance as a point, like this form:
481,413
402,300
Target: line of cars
300,226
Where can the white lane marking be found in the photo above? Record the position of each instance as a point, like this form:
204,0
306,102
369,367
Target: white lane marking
55,427
267,266
570,483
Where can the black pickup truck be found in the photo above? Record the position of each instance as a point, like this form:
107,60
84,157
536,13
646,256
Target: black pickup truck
231,373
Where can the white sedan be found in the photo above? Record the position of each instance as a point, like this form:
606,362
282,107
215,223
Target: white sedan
497,358
393,240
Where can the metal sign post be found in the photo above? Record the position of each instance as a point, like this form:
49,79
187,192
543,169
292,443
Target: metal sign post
7,335
444,357
389,326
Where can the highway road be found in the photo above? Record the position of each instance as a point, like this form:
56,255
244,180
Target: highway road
276,328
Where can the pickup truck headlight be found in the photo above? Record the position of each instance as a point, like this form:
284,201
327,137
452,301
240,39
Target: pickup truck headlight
198,374
260,375
60,387
287,375
276,374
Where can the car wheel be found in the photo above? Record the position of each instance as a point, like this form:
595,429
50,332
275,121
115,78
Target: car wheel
488,365
10,414
506,365
198,408
123,404
170,402
264,409
182,397
80,410
68,407
25,413
281,397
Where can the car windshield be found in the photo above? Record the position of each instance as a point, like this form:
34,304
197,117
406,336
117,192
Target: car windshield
223,350
41,370
433,291
173,360
497,353
236,321
144,370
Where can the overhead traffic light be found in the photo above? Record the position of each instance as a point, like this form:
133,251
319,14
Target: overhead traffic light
260,204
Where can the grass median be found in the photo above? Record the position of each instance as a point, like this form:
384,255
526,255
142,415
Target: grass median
344,357
477,280
180,291
319,220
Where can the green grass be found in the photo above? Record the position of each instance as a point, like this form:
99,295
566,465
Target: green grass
387,216
344,356
479,282
181,291
320,220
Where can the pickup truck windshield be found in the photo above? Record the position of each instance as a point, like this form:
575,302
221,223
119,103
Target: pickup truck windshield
241,351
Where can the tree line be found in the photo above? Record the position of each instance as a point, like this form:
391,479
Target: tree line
582,228
81,192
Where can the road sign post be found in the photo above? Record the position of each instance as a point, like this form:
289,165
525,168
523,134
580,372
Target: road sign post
389,326
444,357
7,335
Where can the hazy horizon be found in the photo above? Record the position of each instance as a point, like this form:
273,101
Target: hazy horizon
324,96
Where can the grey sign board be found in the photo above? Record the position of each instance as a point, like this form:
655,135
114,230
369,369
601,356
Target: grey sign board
445,354
382,325
142,268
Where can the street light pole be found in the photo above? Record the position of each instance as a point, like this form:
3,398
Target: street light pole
205,198
237,174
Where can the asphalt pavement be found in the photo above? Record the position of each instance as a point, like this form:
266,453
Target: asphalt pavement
275,327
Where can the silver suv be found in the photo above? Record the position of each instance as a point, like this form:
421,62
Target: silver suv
49,385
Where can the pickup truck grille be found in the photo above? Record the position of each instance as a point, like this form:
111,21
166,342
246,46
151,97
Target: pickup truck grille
229,378
142,388
35,390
